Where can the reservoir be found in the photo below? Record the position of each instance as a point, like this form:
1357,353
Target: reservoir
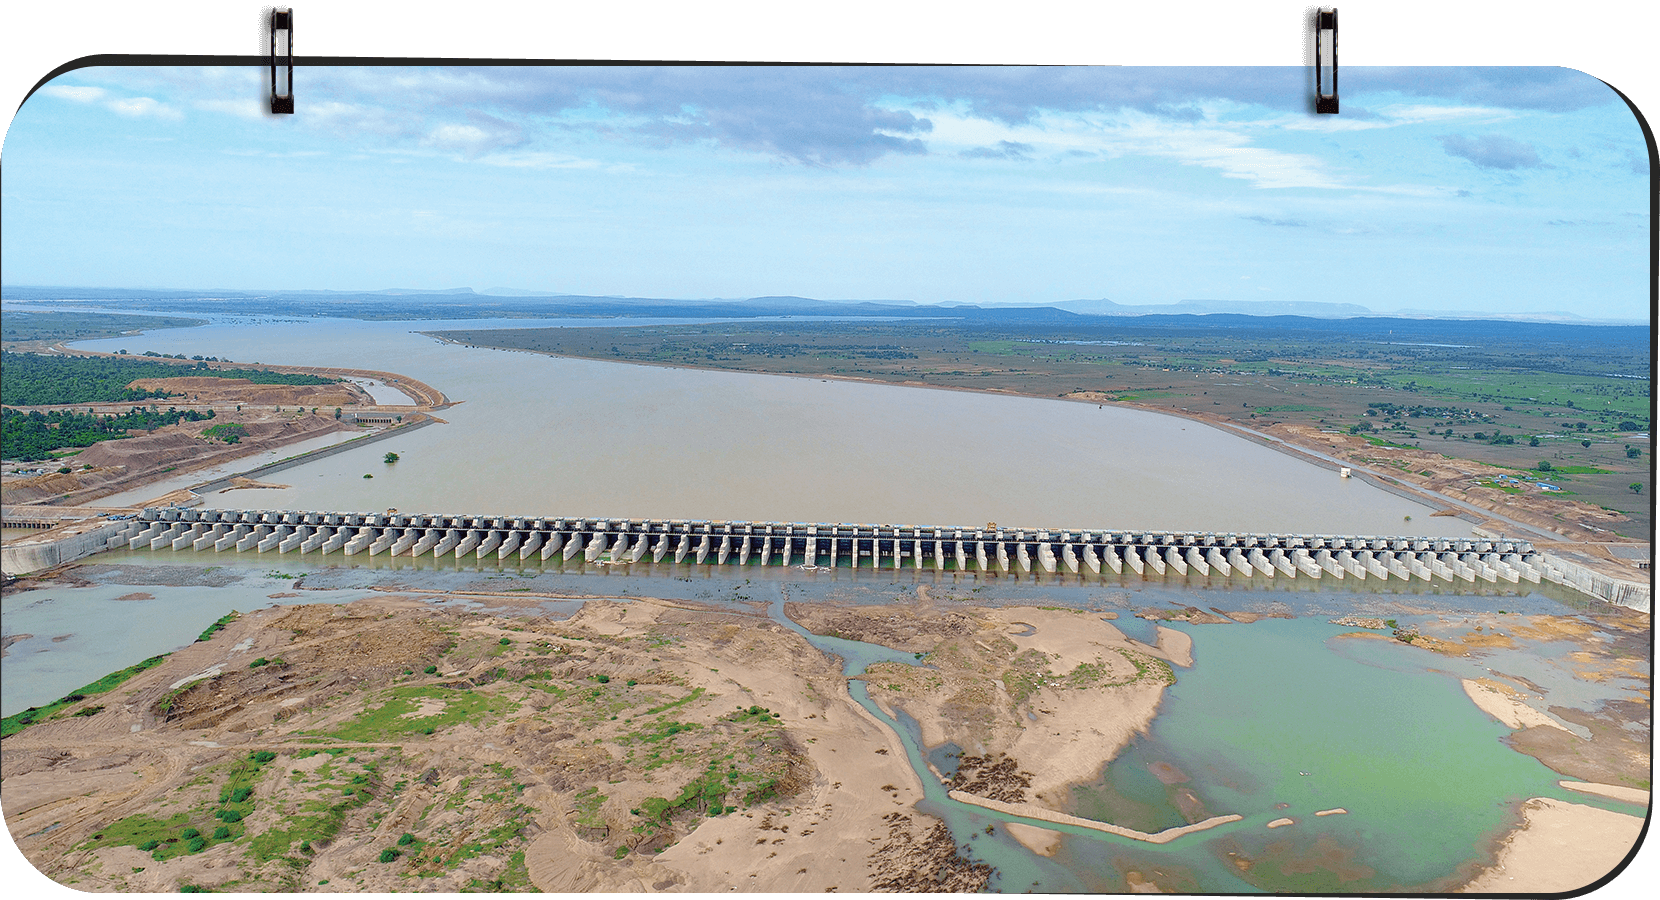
538,435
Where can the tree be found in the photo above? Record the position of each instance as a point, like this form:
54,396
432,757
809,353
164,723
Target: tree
1585,444
1533,441
1544,465
1636,487
1633,452
389,458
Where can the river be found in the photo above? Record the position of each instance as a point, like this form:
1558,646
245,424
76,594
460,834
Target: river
538,435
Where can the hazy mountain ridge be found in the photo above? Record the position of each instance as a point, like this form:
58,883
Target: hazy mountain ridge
514,303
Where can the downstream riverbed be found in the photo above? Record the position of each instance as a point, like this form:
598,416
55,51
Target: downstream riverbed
1279,718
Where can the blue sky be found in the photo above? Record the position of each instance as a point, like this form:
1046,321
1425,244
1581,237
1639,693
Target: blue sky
1493,190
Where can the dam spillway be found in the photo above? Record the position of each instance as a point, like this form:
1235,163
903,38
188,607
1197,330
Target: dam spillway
1088,554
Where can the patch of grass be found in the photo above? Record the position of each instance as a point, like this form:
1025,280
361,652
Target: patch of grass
16,722
391,719
218,625
704,795
141,830
696,693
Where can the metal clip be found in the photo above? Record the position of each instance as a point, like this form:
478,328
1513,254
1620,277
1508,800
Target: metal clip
282,49
1325,49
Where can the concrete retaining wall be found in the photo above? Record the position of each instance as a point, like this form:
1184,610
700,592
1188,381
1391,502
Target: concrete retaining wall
37,555
1629,594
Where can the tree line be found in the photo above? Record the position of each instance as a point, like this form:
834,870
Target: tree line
34,435
32,379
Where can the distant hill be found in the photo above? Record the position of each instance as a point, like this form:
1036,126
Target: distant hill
1310,308
499,302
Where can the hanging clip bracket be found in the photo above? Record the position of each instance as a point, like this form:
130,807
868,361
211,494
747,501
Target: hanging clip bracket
282,61
1325,54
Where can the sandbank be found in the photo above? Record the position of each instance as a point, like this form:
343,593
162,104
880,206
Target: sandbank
1503,702
1042,841
1628,794
1177,646
1560,847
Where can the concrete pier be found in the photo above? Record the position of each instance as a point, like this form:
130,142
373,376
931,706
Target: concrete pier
510,544
1196,562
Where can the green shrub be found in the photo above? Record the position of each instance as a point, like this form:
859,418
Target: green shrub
406,840
196,845
430,670
189,833
388,855
221,833
258,662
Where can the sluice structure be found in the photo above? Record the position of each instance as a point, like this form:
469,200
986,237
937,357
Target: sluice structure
1089,554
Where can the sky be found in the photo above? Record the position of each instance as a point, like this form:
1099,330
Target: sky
1499,191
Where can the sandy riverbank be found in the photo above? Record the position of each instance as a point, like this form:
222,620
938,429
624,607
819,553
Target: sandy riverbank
1560,847
1058,692
541,744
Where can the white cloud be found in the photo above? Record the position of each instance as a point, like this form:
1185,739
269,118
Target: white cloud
139,107
353,118
77,93
1227,149
530,159
248,108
